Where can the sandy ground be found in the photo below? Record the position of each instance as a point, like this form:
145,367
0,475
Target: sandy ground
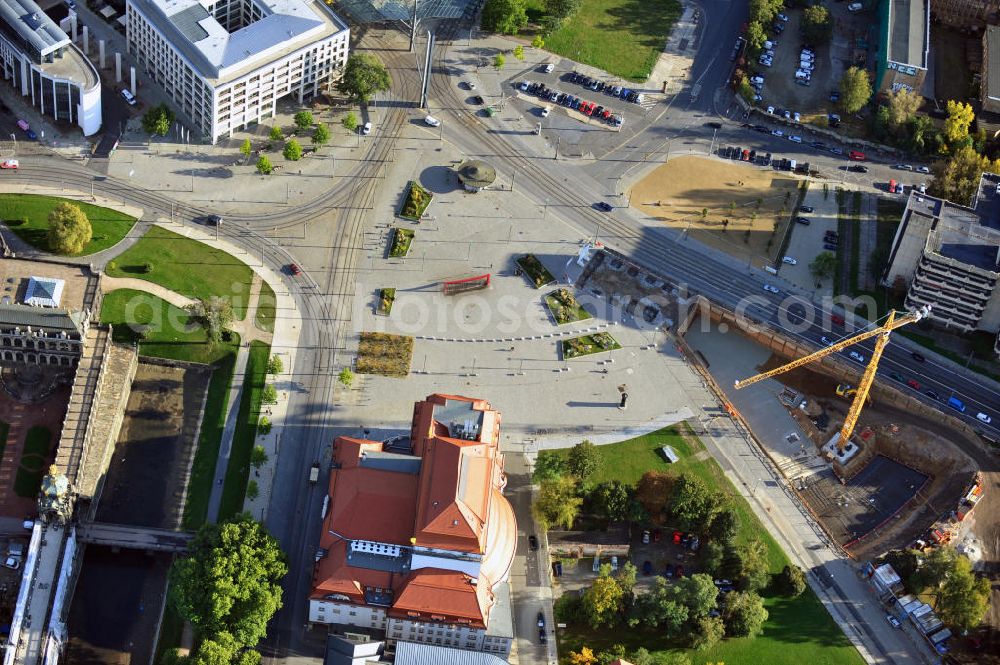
701,194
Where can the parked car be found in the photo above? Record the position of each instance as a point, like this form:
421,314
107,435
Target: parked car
645,537
647,567
533,542
923,169
893,621
913,383
12,563
605,206
542,637
541,619
789,260
803,220
856,356
826,340
984,418
805,208
478,100
770,288
366,129
11,164
857,155
918,357
933,395
548,68
855,7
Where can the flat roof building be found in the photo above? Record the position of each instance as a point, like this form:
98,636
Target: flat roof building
903,45
948,255
418,543
43,64
226,64
967,14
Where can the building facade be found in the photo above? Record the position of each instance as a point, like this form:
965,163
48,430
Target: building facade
226,64
966,14
418,540
41,336
42,64
989,85
948,257
903,45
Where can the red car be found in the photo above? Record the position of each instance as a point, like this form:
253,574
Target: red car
657,534
913,384
677,537
837,318
294,269
857,155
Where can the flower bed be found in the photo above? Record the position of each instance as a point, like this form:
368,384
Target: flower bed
385,299
536,272
564,307
385,354
401,241
588,344
416,202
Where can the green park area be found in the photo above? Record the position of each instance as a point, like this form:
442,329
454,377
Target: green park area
797,629
621,37
266,308
27,215
186,266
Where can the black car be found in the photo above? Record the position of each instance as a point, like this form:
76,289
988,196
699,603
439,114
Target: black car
541,620
762,129
542,637
601,86
714,125
633,97
586,81
858,168
605,206
753,155
211,220
916,356
598,112
533,543
802,220
933,395
738,153
819,145
807,209
830,248
478,100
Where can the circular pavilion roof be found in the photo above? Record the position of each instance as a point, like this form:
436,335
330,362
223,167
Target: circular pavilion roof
475,173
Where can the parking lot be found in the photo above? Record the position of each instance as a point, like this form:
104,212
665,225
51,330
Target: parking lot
807,240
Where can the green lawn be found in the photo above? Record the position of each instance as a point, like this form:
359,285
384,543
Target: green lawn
238,471
622,37
266,308
174,340
799,630
186,266
34,461
109,226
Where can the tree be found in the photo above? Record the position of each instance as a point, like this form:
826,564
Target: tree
660,608
611,500
157,120
712,554
602,602
69,229
964,597
518,52
548,466
724,525
903,105
697,593
744,615
275,364
230,582
506,17
708,631
252,490
956,125
824,265
303,119
498,61
817,24
958,178
904,562
364,75
855,90
653,491
583,657
584,461
215,315
755,573
258,457
626,579
791,581
264,425
346,377
269,395
246,147
220,649
350,121
756,36
264,166
557,503
557,11
538,42
292,151
691,503
276,134
321,135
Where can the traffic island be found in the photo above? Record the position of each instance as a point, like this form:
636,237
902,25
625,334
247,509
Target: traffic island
587,345
565,308
384,354
416,202
536,272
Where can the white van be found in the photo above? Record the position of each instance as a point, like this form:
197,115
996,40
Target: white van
366,129
855,7
128,96
771,270
802,74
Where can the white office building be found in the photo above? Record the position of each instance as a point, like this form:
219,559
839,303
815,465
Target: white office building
43,65
226,63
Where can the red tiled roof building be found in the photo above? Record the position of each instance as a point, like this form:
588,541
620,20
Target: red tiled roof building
418,539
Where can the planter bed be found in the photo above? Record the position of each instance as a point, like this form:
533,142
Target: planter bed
401,241
385,354
385,299
587,345
564,307
416,202
536,272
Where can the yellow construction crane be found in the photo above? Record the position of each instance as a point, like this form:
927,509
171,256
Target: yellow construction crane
882,332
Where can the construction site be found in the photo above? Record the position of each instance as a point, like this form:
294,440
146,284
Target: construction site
909,476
